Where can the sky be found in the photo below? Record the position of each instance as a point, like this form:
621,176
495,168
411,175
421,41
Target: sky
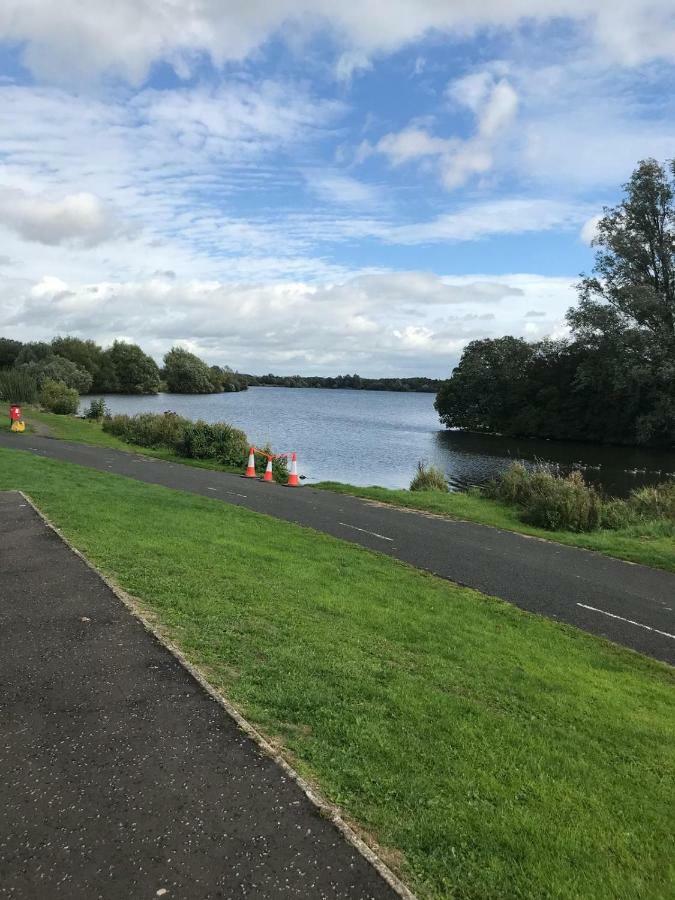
300,186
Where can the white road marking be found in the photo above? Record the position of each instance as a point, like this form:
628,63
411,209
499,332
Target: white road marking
629,621
374,533
231,493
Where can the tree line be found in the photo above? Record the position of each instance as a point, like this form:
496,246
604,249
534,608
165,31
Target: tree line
124,368
121,369
613,379
348,382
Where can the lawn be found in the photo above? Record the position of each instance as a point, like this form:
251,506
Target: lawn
651,544
490,752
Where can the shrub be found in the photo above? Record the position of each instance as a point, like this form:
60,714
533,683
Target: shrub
195,440
512,486
149,429
562,504
428,478
656,502
218,441
18,387
59,398
97,410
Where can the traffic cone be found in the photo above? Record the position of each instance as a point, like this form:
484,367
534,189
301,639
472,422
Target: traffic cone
268,471
250,469
293,480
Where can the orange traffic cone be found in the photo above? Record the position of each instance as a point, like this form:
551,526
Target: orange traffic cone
268,470
293,480
250,469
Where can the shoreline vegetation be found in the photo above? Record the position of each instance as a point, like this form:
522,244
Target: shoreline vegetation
423,678
646,543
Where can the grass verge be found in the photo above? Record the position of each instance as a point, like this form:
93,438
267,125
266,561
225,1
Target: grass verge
84,431
491,752
650,544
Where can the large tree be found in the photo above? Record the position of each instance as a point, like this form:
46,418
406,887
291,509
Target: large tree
186,373
135,371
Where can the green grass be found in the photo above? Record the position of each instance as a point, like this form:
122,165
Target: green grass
492,753
651,544
84,431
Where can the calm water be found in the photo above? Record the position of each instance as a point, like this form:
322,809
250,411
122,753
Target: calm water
369,437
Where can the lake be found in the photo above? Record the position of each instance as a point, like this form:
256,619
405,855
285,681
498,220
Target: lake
373,437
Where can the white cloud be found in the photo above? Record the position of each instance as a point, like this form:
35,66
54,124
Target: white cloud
494,104
80,218
589,230
375,324
350,63
337,188
127,36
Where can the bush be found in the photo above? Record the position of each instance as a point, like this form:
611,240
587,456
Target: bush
654,502
428,478
59,398
97,410
18,387
512,486
149,429
562,504
218,441
194,440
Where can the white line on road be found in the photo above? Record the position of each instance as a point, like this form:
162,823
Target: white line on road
374,533
231,493
630,621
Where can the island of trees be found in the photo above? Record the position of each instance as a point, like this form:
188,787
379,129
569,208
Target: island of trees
613,380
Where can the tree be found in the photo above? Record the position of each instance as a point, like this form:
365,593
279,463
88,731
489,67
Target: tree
614,381
9,350
625,320
488,387
85,353
135,371
634,282
186,373
32,352
56,368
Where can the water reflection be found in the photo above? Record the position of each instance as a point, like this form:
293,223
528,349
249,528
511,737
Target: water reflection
476,458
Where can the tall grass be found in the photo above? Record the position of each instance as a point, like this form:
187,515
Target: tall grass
428,478
568,503
18,387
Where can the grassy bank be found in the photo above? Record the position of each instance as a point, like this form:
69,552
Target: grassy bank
492,753
648,544
84,431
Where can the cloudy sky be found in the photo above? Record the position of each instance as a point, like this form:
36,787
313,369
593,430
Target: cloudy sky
315,187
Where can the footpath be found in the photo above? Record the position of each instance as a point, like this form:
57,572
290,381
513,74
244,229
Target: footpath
121,776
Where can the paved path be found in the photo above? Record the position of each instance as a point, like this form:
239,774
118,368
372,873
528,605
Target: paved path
120,776
632,605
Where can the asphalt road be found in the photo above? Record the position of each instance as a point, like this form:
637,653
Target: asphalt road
629,604
120,776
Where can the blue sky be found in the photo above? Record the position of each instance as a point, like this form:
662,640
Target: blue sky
288,186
